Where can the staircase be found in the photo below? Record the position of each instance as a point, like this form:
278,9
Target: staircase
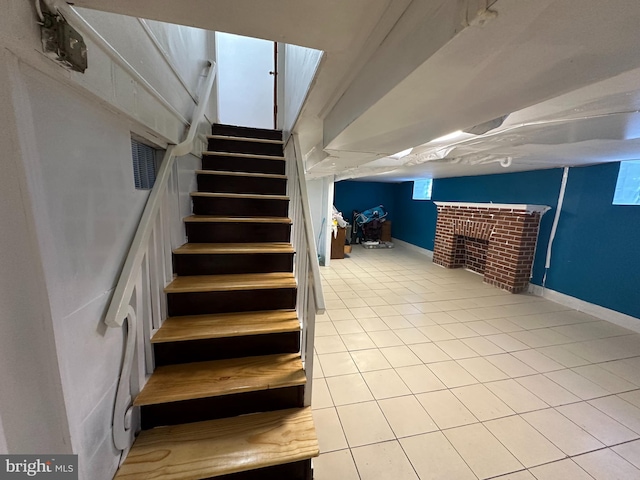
226,399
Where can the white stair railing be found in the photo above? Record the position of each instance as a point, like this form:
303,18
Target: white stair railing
310,299
139,294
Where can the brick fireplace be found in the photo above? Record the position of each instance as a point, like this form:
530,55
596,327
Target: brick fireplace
495,240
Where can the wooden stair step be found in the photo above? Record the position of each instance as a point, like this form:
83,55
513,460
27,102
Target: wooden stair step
222,447
240,174
244,155
245,139
200,327
190,381
240,131
226,283
233,248
226,219
252,196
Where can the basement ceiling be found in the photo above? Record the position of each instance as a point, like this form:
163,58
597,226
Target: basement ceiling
399,74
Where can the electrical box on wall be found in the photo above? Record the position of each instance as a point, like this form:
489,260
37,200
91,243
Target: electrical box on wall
63,43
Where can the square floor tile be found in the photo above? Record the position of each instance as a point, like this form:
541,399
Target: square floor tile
335,465
364,423
482,346
385,338
385,384
547,390
507,342
620,410
362,312
436,333
452,374
445,409
396,322
562,432
400,356
607,465
484,454
596,423
481,327
325,329
419,320
357,341
348,326
372,324
407,416
604,378
420,379
348,389
511,365
339,314
411,336
563,356
329,430
537,361
577,384
482,402
456,349
330,344
482,370
434,458
460,330
370,360
519,399
630,452
334,364
385,310
320,396
429,352
523,441
383,461
563,469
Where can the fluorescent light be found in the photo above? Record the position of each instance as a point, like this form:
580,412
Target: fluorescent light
401,154
449,136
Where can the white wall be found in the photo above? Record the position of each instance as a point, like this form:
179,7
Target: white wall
68,213
301,64
245,88
320,202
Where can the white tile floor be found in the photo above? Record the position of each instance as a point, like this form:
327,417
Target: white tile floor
427,373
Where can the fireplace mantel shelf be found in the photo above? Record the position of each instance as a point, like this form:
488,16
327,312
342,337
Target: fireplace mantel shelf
501,206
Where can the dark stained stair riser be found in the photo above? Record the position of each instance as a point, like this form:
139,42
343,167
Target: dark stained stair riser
241,184
221,264
240,207
171,353
247,132
238,146
225,163
188,411
290,471
200,303
244,232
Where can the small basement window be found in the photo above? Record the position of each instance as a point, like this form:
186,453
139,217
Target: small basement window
628,184
144,165
422,189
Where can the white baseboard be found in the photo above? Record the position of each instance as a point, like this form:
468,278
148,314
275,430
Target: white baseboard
620,319
413,247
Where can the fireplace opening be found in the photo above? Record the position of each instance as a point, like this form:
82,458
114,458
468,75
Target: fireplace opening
475,254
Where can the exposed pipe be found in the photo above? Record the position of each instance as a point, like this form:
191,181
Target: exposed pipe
556,219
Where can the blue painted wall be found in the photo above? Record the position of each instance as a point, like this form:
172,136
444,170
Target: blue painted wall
596,253
350,195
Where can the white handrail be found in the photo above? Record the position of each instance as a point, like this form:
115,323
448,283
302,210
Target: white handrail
119,305
318,294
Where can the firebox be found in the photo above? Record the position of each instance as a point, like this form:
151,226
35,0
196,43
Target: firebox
495,240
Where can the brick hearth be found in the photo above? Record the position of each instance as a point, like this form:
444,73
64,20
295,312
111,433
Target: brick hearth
496,240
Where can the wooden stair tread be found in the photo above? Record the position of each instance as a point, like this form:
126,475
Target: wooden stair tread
221,447
245,139
244,155
231,282
190,381
233,248
224,325
221,219
255,196
240,174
